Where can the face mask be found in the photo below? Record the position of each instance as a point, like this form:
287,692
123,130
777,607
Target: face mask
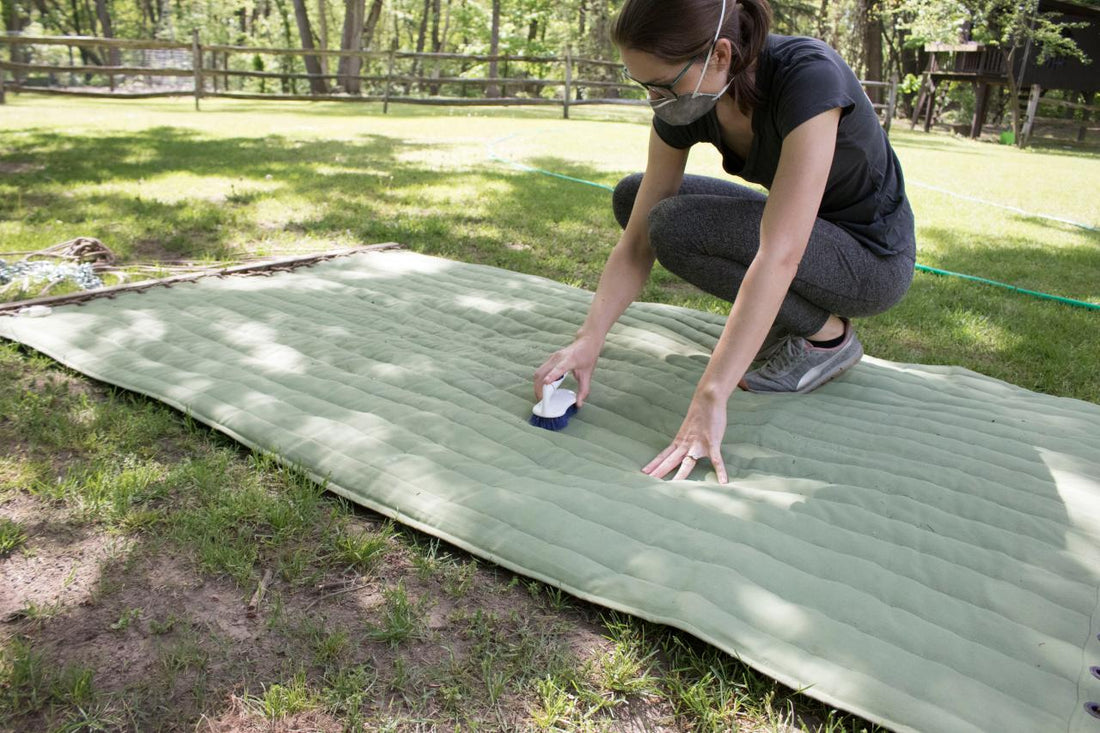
687,108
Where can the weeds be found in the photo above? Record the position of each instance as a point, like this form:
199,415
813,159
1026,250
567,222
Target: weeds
401,618
361,552
12,536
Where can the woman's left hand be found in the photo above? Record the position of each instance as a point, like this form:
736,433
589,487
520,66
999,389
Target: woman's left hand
700,437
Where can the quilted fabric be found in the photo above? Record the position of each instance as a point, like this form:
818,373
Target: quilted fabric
919,545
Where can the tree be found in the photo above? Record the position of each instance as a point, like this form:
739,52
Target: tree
372,23
104,15
313,66
322,18
494,48
1015,27
351,40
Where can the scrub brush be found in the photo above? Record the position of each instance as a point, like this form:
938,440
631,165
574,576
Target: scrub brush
555,408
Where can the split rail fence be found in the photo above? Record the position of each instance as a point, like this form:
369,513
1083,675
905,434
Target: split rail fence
139,69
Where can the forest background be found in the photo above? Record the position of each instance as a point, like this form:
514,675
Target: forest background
880,39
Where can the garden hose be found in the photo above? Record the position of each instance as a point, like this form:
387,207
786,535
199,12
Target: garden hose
493,155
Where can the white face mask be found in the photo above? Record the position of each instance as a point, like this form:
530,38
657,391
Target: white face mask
687,108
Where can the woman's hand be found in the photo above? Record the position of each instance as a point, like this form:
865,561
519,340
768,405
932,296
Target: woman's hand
700,436
579,358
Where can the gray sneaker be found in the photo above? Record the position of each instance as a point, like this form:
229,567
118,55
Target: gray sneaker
772,343
796,365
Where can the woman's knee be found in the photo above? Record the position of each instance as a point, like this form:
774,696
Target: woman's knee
622,200
669,234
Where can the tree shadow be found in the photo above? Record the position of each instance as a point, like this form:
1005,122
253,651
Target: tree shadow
375,188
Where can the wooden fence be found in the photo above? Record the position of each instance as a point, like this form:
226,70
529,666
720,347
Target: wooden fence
1088,119
143,69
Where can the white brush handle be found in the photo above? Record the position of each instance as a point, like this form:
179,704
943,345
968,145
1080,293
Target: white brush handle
548,391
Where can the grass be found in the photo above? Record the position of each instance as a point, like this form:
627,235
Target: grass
12,536
366,625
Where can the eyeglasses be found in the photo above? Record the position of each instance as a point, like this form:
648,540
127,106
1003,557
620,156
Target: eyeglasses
661,90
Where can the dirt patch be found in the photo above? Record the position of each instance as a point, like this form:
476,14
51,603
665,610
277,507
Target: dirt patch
152,251
59,566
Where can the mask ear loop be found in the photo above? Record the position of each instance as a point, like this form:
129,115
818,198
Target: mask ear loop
713,43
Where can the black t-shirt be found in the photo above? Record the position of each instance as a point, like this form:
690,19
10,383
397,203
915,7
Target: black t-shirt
798,79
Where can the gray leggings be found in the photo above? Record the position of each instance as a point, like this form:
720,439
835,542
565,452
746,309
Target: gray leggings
710,233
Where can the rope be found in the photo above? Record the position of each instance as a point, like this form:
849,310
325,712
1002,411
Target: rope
1014,209
493,155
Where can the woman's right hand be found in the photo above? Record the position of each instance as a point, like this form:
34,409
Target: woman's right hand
579,358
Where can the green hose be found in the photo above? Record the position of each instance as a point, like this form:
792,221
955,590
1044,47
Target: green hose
921,268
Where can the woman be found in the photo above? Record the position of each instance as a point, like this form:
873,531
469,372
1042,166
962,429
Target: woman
833,239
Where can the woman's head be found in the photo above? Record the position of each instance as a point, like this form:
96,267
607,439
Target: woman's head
677,31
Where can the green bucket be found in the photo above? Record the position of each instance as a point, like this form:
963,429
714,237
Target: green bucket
1008,137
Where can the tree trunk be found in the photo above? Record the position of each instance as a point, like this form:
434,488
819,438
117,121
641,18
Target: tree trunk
323,17
104,15
313,66
76,22
601,45
872,49
421,35
493,90
433,89
350,40
286,63
372,22
15,22
446,27
582,18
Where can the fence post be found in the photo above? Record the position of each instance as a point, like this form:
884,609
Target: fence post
389,80
196,65
568,82
2,73
891,102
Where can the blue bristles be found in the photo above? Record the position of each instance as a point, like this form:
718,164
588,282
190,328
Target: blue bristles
554,423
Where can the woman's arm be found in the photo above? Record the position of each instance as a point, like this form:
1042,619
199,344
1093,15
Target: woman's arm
624,275
632,259
789,215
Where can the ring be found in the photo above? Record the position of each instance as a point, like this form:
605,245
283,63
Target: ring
694,458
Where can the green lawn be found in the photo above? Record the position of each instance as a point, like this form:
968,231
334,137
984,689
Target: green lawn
143,535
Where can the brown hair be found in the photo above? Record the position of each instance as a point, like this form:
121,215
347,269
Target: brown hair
679,30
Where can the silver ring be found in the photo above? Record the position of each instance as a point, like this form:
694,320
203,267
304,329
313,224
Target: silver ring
694,458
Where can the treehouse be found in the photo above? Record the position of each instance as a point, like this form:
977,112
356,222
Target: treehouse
985,67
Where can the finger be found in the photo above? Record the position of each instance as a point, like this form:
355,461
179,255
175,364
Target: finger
686,468
649,467
664,467
671,461
548,374
715,456
584,378
540,379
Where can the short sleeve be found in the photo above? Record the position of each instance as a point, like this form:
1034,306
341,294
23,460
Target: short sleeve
813,84
676,136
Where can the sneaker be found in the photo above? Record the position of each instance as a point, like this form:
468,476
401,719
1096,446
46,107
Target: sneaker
796,365
772,343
